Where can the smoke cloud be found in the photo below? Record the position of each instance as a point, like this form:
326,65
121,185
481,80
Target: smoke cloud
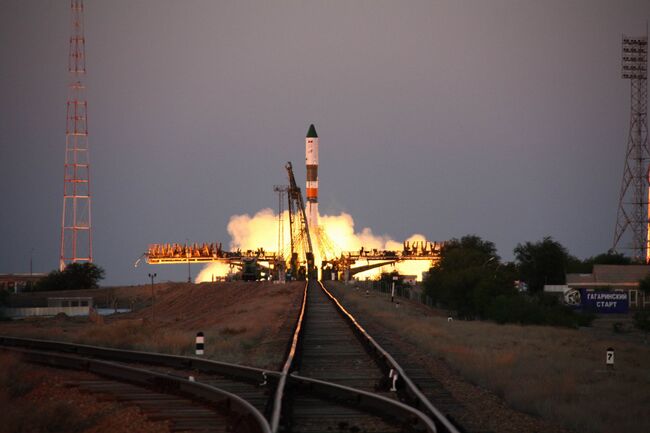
261,231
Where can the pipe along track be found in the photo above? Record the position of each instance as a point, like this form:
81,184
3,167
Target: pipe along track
335,378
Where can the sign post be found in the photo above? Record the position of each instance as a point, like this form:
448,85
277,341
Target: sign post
609,358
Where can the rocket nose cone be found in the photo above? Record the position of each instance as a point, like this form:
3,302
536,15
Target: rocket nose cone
312,132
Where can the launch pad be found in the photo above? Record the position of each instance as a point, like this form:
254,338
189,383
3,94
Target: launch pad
308,241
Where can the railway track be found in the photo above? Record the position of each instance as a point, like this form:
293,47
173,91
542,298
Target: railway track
336,378
214,396
189,405
365,388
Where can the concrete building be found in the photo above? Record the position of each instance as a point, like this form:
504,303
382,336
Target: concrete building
614,277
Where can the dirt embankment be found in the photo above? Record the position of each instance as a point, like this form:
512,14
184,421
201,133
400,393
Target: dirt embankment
39,399
243,322
554,374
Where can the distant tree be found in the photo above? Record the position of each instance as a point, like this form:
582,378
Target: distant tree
577,266
543,262
76,276
611,258
466,252
4,297
468,276
644,284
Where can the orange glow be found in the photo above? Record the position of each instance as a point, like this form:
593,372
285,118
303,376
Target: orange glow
261,231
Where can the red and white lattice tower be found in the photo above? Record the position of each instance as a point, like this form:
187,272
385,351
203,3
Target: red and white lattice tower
76,234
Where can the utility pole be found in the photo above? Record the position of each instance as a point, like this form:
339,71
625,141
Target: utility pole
187,252
152,276
76,234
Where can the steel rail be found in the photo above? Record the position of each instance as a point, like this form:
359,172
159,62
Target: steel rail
421,400
175,361
365,400
279,390
248,420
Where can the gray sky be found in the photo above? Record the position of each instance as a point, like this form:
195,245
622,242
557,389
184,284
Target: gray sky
507,119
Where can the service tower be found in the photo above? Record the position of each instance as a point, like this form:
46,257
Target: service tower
311,158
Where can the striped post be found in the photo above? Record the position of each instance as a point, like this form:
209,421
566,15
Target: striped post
200,340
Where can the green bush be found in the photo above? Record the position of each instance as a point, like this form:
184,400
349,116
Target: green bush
4,298
76,276
534,310
642,320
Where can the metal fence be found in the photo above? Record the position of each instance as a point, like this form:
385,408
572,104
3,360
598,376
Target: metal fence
44,311
413,293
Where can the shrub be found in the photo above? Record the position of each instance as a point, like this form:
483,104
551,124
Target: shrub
4,297
76,276
642,320
534,310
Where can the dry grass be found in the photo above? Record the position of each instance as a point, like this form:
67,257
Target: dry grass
558,374
242,322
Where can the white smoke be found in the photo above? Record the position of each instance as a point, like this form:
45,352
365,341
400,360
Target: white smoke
261,231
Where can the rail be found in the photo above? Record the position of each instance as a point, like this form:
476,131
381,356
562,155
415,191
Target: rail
421,400
364,400
279,390
174,361
248,419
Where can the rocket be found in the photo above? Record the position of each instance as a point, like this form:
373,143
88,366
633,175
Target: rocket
311,158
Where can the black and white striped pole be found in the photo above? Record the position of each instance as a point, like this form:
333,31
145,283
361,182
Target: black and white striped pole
200,343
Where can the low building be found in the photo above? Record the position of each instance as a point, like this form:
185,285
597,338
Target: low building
70,301
16,283
614,277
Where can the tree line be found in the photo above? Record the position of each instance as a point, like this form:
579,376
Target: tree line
471,279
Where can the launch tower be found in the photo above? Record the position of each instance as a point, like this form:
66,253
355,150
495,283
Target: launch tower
76,235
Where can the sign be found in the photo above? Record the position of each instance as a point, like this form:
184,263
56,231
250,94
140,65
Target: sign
609,357
604,301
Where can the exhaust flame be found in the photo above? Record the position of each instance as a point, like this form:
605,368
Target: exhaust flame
261,231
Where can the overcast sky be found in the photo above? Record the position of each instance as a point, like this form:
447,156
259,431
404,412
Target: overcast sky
507,119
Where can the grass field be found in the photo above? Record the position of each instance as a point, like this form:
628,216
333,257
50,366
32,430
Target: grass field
555,373
244,323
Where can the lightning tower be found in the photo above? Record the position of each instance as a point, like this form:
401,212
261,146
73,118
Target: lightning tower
633,210
76,235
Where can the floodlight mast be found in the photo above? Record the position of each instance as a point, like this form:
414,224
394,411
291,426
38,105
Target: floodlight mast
76,234
634,198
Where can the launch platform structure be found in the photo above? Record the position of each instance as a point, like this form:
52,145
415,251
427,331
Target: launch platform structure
633,210
76,234
298,227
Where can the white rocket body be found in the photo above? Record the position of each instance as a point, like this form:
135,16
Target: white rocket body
311,160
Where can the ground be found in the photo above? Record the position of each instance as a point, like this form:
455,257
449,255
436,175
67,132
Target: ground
247,323
521,378
37,399
512,378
